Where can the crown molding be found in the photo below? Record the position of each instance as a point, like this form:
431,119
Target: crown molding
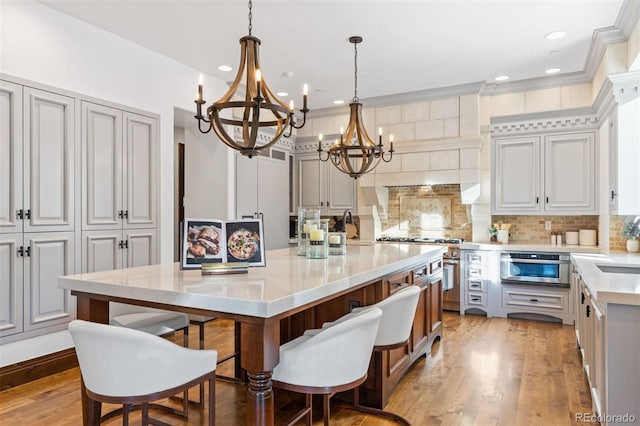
628,17
537,83
265,135
567,120
406,98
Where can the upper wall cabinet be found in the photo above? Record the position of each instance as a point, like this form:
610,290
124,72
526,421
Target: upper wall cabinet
119,168
323,185
624,158
550,174
36,160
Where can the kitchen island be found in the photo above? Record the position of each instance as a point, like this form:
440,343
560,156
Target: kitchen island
608,332
291,290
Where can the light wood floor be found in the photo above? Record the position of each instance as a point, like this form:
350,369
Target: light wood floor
484,372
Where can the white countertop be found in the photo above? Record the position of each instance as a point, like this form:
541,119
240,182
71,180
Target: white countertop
287,282
609,287
564,248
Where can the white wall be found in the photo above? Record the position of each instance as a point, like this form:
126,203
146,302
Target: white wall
40,44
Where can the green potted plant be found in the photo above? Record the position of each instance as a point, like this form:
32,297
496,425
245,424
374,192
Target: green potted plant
633,244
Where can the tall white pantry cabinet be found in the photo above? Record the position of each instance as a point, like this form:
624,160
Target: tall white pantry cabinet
68,183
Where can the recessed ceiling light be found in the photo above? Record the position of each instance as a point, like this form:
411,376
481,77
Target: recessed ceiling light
282,94
553,52
225,68
288,74
552,71
555,35
338,102
501,78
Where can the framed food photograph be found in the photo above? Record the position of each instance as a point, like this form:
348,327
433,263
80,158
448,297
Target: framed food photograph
234,243
244,241
202,242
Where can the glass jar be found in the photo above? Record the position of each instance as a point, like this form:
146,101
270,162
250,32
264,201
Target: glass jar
318,247
337,243
307,219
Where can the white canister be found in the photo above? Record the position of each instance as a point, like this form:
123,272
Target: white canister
572,238
503,236
588,237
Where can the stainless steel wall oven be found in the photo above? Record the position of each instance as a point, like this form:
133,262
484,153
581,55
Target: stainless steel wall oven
550,269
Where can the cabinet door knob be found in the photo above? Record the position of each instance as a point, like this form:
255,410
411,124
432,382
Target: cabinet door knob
21,251
613,195
588,311
20,213
27,252
547,199
537,200
582,298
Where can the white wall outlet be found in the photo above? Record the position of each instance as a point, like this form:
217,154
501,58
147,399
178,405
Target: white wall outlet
547,225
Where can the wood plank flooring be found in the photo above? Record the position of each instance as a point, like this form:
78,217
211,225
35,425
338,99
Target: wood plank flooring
484,372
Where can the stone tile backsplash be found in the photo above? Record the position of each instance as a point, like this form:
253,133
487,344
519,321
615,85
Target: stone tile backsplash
400,223
530,229
616,241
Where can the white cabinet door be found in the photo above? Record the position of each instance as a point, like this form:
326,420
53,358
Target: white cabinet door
517,175
341,190
10,156
140,247
624,157
570,173
273,201
310,180
246,186
48,161
11,300
101,250
322,185
50,256
101,166
140,171
262,188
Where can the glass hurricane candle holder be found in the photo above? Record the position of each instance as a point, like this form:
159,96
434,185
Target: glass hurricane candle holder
318,247
308,219
337,243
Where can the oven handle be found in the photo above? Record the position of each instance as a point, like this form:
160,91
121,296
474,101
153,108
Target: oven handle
450,261
553,262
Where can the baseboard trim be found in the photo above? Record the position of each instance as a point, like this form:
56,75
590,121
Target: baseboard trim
37,368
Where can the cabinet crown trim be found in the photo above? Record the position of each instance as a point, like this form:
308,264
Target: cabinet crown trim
545,124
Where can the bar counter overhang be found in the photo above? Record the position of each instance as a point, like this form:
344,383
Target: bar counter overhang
257,299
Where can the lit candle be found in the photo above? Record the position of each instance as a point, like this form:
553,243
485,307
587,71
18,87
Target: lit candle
291,105
334,239
305,92
258,79
391,138
308,227
320,137
316,235
200,88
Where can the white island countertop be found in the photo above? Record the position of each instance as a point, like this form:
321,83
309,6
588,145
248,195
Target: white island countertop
287,282
610,287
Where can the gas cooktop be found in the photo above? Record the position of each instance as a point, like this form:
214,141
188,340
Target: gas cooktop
421,240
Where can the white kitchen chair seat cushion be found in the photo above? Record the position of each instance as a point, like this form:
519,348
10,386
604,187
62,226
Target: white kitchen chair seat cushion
122,362
332,357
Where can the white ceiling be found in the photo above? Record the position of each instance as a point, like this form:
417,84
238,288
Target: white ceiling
408,45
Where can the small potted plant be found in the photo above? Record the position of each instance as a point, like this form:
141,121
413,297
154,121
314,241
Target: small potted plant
633,244
493,232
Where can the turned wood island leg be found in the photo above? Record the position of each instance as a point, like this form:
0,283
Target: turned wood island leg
260,351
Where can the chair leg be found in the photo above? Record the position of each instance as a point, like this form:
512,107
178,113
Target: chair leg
201,337
326,409
375,411
145,414
212,400
125,414
309,403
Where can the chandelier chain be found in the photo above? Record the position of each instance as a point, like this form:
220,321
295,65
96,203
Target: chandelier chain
250,16
355,77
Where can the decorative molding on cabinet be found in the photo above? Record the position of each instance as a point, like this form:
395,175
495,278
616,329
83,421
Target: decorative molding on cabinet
554,124
266,135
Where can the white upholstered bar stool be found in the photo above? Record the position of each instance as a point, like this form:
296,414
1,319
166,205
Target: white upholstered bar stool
327,361
130,367
398,312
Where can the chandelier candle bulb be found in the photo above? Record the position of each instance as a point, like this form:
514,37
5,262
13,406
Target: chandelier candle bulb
291,105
